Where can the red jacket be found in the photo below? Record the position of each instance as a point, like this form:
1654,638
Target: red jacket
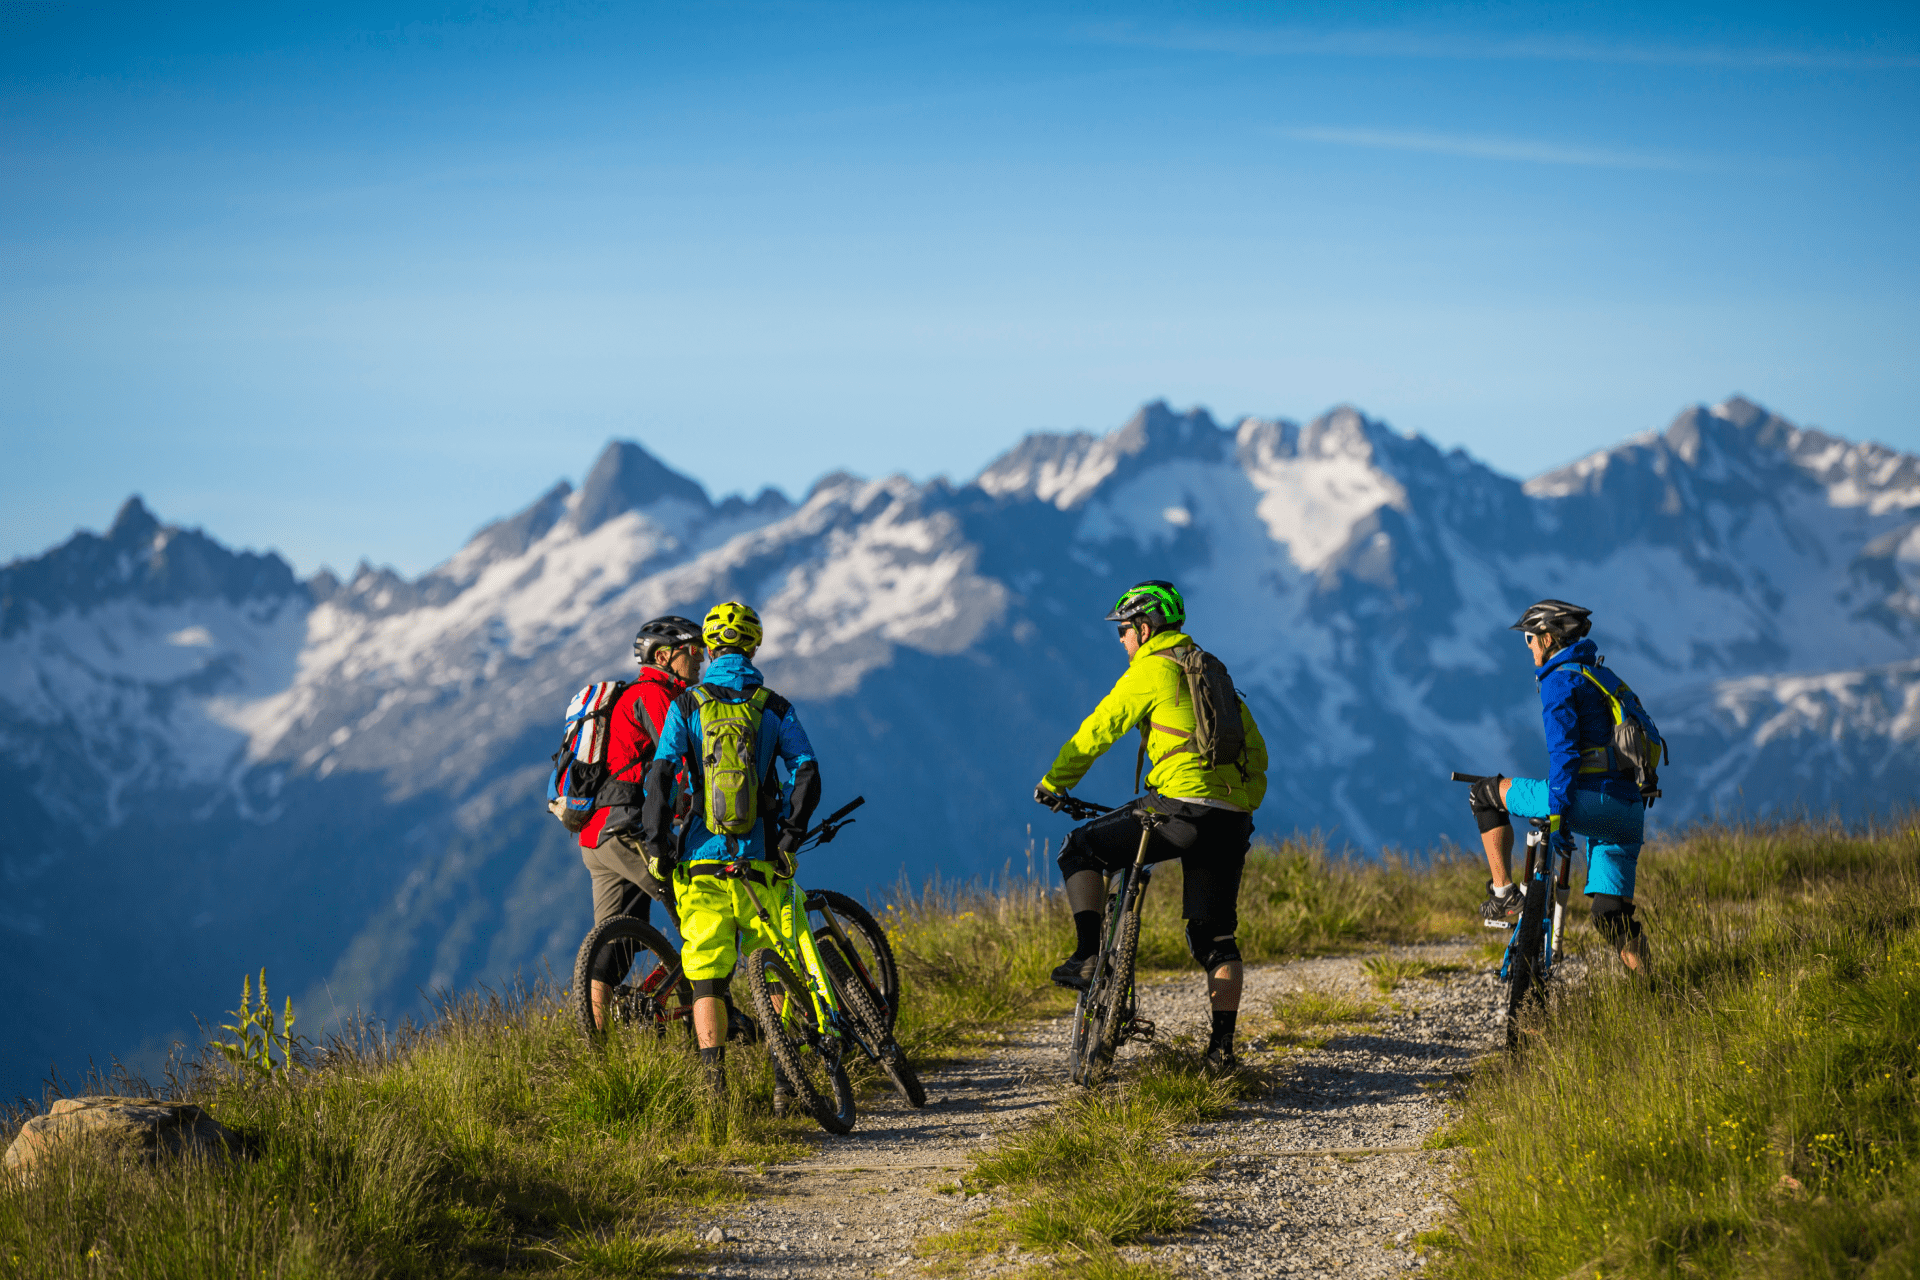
632,731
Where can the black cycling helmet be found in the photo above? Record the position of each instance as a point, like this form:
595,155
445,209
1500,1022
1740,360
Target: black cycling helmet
1557,618
1156,602
670,632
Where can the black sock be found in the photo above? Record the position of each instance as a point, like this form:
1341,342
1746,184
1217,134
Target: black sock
1223,1020
714,1057
1086,924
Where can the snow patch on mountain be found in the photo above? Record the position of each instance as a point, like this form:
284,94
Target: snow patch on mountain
146,694
1315,483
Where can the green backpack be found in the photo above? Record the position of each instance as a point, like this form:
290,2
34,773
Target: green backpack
729,742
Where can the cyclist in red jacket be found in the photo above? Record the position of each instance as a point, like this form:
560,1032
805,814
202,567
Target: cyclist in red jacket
670,653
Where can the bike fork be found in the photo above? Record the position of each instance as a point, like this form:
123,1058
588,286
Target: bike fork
1536,861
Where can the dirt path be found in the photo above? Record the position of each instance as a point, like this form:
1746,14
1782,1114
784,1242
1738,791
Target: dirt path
1324,1176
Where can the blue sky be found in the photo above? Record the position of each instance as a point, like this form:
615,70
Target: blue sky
349,280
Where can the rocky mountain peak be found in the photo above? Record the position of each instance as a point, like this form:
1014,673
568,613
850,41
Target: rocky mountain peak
1156,431
138,558
133,525
626,478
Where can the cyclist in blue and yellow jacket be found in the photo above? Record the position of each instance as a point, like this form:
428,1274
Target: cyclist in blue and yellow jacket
714,873
1587,790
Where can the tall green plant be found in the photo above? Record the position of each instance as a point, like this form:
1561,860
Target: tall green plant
259,1033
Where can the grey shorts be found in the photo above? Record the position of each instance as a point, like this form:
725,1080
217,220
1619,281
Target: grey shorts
618,872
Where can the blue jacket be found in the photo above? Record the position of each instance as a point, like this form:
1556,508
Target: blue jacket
780,736
1576,716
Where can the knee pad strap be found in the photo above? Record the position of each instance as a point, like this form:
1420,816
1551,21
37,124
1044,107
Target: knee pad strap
711,988
1613,919
1211,943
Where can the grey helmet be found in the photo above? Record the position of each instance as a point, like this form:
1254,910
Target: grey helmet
671,632
1565,622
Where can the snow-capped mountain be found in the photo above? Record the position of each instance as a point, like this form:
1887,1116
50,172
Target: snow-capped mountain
209,765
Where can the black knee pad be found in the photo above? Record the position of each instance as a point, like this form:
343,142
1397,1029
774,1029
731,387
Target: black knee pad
1484,797
1613,919
1211,942
612,964
1076,857
711,988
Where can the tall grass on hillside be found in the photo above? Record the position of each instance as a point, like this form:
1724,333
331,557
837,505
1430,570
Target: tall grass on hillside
493,1140
1759,1115
976,956
496,1140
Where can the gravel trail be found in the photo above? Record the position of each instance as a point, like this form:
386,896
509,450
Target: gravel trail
1325,1175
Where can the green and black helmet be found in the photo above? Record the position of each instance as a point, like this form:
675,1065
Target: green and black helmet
1153,601
1563,621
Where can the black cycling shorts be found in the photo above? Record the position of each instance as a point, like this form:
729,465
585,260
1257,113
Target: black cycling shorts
1210,843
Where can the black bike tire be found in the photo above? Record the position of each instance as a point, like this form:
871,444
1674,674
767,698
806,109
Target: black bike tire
1524,979
861,921
862,1009
1085,1012
1077,1036
792,1051
1119,981
646,939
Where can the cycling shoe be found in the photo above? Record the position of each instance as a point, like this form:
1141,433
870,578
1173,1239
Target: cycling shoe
1075,972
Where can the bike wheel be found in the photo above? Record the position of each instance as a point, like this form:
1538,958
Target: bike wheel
654,992
1116,1001
871,1023
809,1059
1079,1036
1090,1012
1526,989
872,953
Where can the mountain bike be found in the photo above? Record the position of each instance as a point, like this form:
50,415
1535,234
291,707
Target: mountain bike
1534,939
1105,1016
816,997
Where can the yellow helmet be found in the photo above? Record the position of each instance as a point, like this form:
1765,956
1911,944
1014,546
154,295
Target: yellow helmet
732,626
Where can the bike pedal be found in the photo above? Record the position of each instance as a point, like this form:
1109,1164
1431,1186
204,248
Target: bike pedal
1141,1029
1497,924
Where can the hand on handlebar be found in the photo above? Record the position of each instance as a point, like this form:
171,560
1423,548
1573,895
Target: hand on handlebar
1054,800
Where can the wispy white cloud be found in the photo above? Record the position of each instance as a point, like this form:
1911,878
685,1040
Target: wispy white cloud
1486,148
1304,42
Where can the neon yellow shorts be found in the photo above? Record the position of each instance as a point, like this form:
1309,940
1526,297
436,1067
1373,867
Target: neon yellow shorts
718,921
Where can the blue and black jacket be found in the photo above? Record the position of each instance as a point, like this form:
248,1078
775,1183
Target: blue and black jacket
1578,720
786,810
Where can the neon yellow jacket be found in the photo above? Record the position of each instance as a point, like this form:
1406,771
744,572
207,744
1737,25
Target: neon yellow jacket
1153,693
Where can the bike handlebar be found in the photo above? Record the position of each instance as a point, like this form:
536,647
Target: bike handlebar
1076,808
830,825
1472,777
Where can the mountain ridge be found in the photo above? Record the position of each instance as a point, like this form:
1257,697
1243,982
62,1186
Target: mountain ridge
358,763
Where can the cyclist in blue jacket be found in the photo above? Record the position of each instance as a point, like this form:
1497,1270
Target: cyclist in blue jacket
1587,791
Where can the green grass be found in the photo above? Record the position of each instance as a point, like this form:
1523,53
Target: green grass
493,1141
1757,1115
1094,1175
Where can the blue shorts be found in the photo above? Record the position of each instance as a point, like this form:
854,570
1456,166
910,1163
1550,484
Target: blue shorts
1614,830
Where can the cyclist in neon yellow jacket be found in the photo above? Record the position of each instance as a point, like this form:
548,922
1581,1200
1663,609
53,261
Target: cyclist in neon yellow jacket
1210,809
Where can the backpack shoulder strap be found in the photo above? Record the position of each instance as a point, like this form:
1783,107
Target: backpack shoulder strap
1613,700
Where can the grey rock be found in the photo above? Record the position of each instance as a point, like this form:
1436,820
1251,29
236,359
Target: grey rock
144,1128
